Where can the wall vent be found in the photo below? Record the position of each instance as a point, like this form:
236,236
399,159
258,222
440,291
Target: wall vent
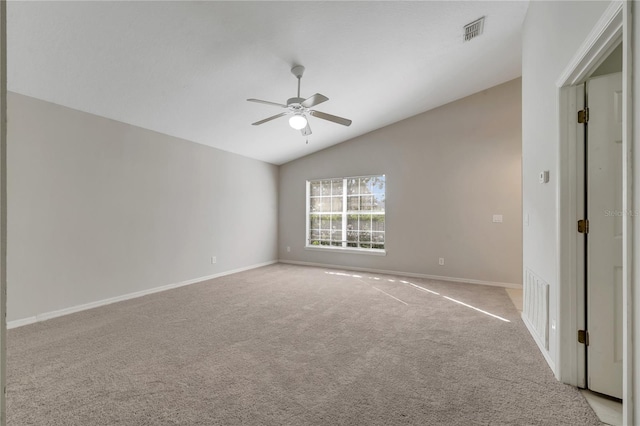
474,29
536,306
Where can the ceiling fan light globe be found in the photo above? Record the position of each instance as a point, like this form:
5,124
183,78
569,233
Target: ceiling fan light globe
298,122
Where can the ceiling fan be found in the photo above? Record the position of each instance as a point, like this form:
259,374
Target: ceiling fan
298,108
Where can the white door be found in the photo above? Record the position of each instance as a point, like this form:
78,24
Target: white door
604,240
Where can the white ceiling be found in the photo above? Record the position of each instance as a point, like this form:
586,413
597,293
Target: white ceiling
186,68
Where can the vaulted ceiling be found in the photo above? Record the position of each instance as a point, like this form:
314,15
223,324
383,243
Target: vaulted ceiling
186,68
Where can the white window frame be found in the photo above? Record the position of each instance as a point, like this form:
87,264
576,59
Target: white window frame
345,212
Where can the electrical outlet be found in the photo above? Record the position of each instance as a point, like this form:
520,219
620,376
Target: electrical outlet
288,249
441,261
213,260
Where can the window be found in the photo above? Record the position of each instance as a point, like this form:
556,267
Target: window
346,213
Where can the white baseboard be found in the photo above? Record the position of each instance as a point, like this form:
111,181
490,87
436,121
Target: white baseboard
406,274
91,305
540,344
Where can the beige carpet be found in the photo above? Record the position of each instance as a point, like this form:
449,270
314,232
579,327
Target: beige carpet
290,345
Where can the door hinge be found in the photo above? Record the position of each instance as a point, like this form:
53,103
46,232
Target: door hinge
583,226
583,337
583,116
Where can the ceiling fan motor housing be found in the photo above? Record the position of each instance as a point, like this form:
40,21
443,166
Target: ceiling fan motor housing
295,102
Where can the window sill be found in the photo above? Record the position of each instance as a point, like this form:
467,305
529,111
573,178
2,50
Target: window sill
350,250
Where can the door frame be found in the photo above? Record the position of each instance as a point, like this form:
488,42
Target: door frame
3,211
613,27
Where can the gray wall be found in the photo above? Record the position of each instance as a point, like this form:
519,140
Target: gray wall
448,171
99,209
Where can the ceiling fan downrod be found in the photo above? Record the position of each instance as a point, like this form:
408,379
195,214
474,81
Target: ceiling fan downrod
298,71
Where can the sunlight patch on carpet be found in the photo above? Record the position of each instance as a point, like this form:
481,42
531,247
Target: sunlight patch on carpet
417,287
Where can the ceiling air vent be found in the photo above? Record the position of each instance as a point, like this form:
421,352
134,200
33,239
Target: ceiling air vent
473,29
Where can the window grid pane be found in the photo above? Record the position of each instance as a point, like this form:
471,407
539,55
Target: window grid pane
362,216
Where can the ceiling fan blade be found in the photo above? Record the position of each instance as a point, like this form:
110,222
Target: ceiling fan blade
314,100
329,117
307,130
267,103
273,117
